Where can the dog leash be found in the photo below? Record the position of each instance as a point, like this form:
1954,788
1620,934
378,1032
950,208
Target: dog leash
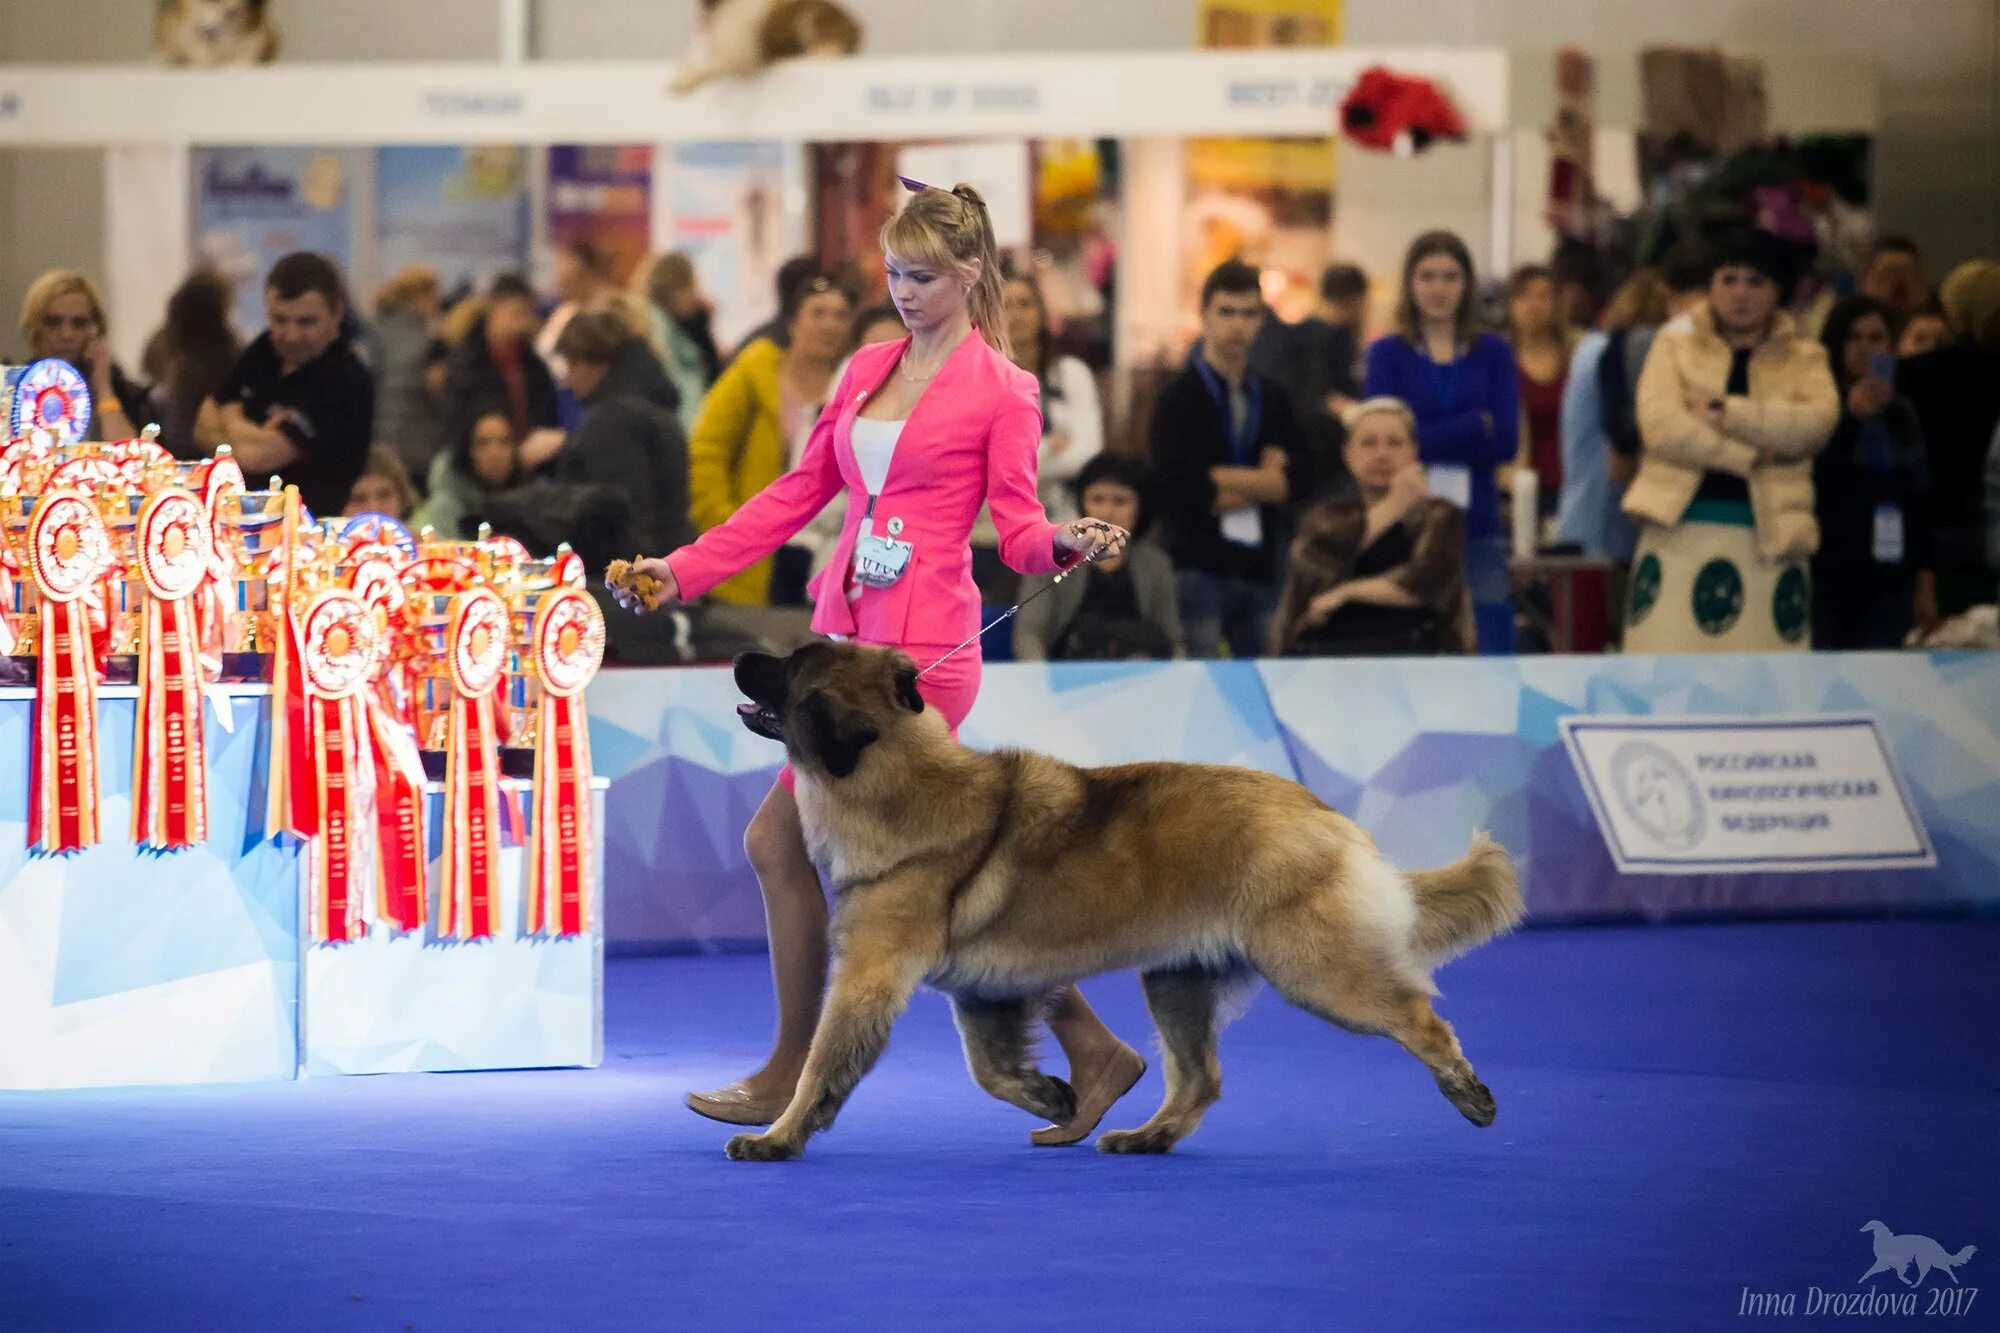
1008,614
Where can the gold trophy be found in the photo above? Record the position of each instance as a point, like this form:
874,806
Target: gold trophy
24,477
120,510
251,526
524,584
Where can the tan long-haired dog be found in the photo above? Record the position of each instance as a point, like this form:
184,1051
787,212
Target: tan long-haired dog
1001,877
745,36
207,33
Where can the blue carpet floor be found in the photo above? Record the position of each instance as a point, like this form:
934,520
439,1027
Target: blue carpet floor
1685,1112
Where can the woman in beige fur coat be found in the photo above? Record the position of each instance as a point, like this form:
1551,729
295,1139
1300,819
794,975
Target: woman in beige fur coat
1733,405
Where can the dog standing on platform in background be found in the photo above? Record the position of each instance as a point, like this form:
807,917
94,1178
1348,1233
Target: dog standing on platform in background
208,33
745,36
999,878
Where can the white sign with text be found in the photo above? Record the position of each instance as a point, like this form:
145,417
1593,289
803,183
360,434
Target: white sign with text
1746,795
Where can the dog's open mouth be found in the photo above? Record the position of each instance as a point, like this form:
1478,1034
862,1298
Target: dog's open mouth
763,720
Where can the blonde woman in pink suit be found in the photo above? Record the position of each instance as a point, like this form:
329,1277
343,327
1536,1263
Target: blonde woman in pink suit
919,433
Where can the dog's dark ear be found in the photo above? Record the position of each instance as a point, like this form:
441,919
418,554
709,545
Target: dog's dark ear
761,677
906,688
836,742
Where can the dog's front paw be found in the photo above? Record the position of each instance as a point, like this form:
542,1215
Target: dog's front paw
1135,1141
1052,1099
761,1148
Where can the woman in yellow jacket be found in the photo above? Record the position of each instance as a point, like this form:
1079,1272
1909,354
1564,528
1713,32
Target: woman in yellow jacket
1732,405
738,446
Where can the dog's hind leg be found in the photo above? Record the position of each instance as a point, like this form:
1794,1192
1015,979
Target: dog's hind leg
1000,1054
1350,982
1184,1004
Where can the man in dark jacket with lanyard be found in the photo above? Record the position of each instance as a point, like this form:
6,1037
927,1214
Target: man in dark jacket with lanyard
1225,449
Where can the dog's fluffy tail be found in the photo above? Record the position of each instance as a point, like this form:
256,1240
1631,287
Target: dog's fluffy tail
1465,904
1962,1255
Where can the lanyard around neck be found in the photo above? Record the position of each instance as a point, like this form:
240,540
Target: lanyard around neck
1242,442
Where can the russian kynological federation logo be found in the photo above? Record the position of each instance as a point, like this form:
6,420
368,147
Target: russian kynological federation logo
1899,1254
1659,794
1791,604
1645,587
1718,597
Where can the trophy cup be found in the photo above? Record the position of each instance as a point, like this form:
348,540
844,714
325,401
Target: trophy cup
524,584
120,510
24,469
250,526
432,585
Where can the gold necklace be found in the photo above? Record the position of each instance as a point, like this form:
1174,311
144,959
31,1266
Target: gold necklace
915,378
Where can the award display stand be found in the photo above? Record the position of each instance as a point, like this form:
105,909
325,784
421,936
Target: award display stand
234,867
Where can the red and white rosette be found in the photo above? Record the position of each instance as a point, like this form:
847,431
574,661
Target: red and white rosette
338,648
505,550
476,645
567,644
221,483
170,762
91,477
68,552
402,856
14,463
221,479
52,396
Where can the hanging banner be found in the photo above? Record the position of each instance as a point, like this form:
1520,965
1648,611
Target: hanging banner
461,212
252,206
727,213
603,193
1267,201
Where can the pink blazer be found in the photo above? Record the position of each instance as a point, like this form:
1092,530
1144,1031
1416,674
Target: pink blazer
974,436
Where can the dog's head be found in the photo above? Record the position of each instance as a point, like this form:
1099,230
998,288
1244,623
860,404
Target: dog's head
828,702
214,20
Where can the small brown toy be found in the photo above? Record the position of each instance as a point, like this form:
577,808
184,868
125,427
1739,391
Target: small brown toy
642,588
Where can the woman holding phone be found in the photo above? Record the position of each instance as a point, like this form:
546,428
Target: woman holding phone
919,433
1872,580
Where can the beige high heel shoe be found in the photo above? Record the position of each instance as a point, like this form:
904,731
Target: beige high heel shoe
734,1105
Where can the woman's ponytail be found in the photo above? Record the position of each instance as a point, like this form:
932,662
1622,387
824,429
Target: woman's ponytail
982,303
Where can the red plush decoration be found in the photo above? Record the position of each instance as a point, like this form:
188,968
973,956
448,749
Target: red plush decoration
1394,113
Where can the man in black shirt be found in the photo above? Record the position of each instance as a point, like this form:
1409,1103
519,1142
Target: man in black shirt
1226,453
1317,361
299,403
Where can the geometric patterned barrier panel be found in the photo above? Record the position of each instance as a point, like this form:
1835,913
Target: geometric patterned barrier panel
421,1002
1422,753
120,966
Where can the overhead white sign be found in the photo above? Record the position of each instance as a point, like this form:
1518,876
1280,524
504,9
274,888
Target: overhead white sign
1683,795
1293,91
